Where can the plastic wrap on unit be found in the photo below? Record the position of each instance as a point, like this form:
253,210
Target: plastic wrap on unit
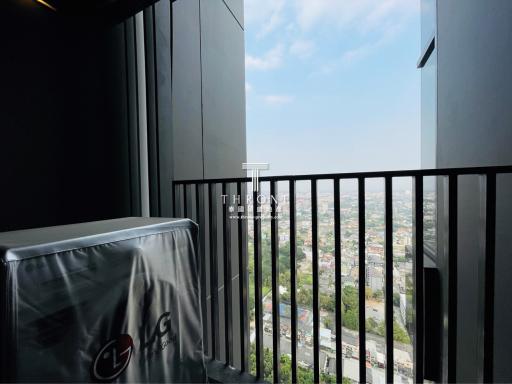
109,301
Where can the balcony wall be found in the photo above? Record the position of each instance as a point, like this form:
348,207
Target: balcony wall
209,89
63,115
208,98
93,127
474,115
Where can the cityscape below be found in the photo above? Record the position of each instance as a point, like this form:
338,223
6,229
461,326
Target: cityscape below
403,323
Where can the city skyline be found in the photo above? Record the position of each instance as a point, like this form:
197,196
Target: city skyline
375,279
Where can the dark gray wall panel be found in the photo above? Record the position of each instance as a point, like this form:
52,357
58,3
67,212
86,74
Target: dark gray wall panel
164,104
64,115
503,314
186,91
474,82
150,49
475,128
223,70
28,186
471,261
237,8
133,116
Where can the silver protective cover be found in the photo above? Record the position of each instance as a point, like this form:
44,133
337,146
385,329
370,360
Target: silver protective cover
109,301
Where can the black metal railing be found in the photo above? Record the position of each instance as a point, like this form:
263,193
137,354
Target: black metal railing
204,211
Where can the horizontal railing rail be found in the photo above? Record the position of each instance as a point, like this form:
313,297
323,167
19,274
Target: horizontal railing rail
204,209
356,175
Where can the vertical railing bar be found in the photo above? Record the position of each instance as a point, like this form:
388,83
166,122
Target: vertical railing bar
418,280
389,278
316,314
214,290
179,199
185,201
452,277
337,281
197,202
228,307
242,281
362,278
490,250
258,282
174,192
202,256
293,280
276,324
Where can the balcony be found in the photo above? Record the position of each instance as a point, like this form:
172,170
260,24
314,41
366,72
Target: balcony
240,322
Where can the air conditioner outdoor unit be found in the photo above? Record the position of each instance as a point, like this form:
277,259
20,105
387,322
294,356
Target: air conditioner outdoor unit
115,300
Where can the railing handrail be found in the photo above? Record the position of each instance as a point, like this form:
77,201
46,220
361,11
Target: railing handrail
356,175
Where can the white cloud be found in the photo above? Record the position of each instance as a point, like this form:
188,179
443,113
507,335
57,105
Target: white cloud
363,15
355,54
362,51
379,21
302,48
270,60
248,87
266,15
372,23
278,99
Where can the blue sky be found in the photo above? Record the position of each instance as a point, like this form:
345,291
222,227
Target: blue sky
332,85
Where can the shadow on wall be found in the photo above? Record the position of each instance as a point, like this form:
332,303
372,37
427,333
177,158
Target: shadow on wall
63,108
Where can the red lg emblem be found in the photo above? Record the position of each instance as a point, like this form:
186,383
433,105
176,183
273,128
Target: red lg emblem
112,359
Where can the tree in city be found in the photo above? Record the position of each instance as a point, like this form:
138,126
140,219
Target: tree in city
304,375
350,297
376,327
267,362
304,297
327,302
351,308
378,295
396,299
368,293
351,319
400,334
284,277
304,279
285,296
286,369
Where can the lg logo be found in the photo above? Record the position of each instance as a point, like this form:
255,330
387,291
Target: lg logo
112,359
162,328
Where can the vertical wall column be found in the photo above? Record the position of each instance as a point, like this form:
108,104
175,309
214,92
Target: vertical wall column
149,78
142,114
